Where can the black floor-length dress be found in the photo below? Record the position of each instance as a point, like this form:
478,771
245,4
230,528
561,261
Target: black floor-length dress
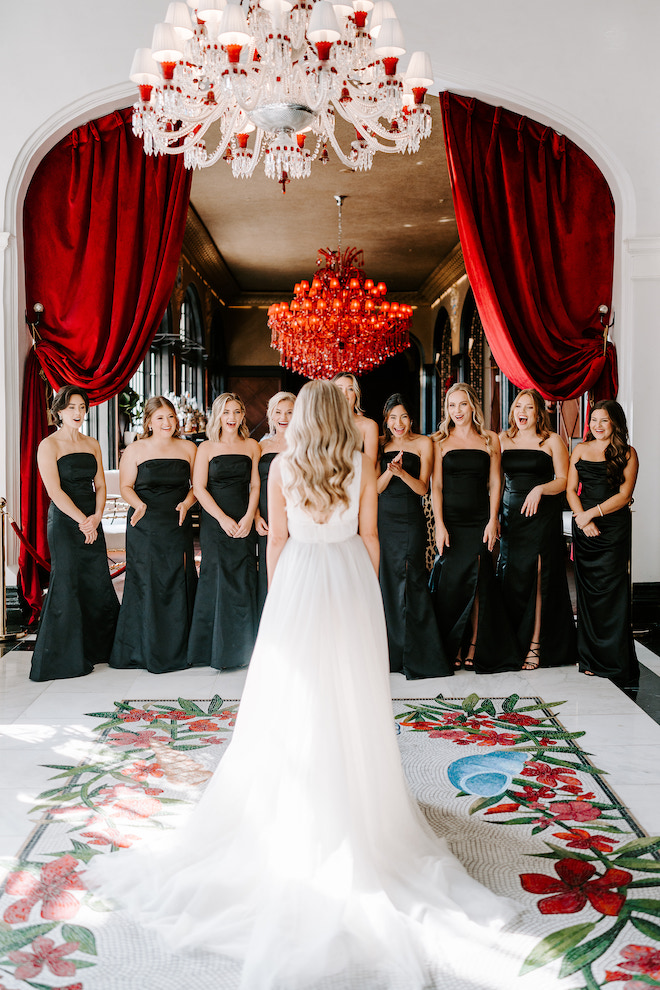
414,642
605,643
466,567
524,540
262,574
224,625
159,592
80,612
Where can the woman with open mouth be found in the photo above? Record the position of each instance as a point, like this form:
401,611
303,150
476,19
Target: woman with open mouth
532,562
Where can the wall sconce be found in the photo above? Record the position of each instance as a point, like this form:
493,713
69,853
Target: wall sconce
604,311
34,323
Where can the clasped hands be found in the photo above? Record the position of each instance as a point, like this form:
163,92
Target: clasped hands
584,522
89,528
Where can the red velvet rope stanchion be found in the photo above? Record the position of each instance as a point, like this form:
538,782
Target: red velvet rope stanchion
30,549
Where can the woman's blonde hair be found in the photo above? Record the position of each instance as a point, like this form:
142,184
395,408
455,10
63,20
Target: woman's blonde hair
543,428
214,426
320,442
478,421
273,403
151,407
356,388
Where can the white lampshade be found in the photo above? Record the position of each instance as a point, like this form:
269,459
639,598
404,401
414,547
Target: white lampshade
166,46
276,6
323,24
178,14
390,43
144,71
210,11
364,5
419,72
233,29
343,8
382,10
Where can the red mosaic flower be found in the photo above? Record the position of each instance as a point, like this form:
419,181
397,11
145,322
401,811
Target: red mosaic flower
580,839
218,740
552,776
575,811
454,735
640,960
141,740
53,887
179,716
110,837
544,741
575,887
134,715
502,809
130,802
44,953
518,718
141,770
203,725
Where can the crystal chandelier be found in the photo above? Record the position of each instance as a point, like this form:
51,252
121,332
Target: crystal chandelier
341,322
273,72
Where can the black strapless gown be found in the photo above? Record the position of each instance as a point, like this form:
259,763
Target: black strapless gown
80,612
159,592
262,574
524,540
224,625
413,639
467,566
602,581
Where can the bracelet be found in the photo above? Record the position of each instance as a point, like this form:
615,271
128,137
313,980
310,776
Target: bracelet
599,508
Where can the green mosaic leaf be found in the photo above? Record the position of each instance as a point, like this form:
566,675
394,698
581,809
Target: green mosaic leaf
488,706
647,844
470,702
509,704
189,707
484,802
76,933
215,704
555,945
583,955
648,928
12,940
631,863
646,904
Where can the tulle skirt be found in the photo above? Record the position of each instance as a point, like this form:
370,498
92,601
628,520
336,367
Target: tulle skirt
306,858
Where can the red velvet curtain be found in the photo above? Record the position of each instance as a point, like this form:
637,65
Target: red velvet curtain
103,228
536,223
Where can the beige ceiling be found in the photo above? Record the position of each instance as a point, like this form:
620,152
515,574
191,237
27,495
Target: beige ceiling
400,213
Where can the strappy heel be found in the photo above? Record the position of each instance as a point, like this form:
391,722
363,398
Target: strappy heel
535,651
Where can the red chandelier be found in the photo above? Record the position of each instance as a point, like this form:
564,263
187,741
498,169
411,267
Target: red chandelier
341,322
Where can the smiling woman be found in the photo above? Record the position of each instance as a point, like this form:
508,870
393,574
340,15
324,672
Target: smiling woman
154,478
79,617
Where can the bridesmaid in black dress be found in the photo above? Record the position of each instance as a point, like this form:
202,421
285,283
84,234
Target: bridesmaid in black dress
154,478
406,463
80,613
601,481
466,497
279,413
532,563
226,483
368,428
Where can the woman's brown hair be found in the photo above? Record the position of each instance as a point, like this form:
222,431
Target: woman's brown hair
151,407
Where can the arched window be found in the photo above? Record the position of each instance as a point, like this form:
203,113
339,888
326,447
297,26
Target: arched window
192,366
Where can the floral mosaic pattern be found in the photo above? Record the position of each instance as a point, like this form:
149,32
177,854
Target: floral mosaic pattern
515,767
602,867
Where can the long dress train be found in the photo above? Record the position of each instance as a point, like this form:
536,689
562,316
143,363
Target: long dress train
466,568
605,642
306,855
224,623
526,540
155,614
80,612
412,631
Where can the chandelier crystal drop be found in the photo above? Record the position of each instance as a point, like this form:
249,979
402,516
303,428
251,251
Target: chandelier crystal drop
341,321
274,74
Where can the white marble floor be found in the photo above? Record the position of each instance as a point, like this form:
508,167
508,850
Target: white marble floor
47,723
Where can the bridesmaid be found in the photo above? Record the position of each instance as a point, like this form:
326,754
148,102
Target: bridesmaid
466,498
405,468
154,478
349,385
279,413
601,481
226,483
80,613
532,562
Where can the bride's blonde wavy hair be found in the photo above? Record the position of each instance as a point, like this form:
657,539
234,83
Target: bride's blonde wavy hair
478,419
320,442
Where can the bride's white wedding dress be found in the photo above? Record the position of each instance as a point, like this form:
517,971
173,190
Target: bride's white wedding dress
307,856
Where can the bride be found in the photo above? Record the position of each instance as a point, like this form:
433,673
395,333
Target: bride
307,859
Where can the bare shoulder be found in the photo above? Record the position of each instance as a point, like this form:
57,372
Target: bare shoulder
253,447
579,451
494,440
48,444
425,443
